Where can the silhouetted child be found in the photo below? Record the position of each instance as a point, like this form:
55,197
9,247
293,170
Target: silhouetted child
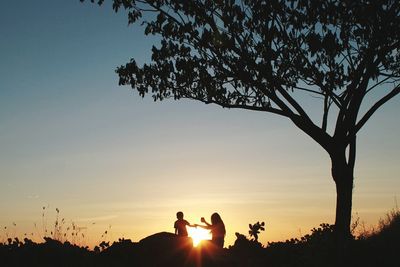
180,225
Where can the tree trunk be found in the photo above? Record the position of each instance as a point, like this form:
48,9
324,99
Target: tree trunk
343,175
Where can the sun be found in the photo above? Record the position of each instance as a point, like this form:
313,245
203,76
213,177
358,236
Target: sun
198,234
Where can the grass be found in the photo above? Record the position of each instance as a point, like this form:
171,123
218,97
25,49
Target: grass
56,228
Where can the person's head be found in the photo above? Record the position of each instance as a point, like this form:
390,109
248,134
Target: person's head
179,215
215,218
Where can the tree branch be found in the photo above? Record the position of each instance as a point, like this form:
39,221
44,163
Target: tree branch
375,107
352,153
235,106
293,102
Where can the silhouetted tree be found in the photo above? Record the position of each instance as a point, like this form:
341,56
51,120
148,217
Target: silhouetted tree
268,56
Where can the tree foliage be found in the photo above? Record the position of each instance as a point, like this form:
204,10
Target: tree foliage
255,54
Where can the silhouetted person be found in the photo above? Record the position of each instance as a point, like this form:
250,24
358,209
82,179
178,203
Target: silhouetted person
217,228
180,225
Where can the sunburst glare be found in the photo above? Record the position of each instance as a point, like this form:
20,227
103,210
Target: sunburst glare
198,234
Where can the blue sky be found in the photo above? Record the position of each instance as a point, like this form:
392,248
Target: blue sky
71,138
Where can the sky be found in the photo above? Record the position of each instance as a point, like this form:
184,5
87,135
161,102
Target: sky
72,139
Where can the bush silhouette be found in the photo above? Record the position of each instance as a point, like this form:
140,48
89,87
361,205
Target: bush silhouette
255,230
165,249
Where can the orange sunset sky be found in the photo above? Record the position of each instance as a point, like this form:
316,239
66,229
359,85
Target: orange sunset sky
72,139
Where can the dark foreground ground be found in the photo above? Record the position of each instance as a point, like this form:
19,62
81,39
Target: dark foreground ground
164,249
